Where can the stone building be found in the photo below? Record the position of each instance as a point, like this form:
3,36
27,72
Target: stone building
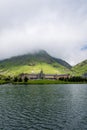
41,75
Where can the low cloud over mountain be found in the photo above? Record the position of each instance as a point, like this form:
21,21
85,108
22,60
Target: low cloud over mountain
57,26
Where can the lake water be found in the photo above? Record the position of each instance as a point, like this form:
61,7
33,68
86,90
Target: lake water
43,107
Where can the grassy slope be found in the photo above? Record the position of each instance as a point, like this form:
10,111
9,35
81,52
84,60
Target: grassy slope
80,68
18,65
33,62
47,68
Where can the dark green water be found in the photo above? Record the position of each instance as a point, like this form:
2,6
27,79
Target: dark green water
43,107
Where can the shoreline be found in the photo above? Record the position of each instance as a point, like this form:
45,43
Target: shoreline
42,82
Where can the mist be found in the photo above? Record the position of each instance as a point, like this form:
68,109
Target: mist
57,26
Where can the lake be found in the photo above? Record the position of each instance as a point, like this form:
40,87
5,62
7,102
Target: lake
43,107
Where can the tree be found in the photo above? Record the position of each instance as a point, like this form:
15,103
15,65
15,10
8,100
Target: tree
15,79
20,80
8,78
25,79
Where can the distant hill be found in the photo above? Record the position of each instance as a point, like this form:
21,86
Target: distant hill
33,63
81,68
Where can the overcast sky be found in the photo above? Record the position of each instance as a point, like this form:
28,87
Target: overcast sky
57,26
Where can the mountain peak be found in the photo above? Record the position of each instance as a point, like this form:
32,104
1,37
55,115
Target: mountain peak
34,62
42,52
35,57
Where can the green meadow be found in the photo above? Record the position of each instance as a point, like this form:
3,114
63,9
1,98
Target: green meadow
33,63
47,68
80,68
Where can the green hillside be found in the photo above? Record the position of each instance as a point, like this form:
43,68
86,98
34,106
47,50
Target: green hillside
33,63
80,68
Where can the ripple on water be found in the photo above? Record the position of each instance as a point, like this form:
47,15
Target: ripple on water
49,107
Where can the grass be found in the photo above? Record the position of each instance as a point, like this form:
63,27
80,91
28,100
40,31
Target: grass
80,69
48,82
35,62
43,82
3,82
47,68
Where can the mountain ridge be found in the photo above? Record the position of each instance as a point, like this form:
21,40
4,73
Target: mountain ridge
80,68
36,61
42,55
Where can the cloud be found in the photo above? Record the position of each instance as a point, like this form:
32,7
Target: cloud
84,48
59,27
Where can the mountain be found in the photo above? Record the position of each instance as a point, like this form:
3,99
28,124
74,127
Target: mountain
80,69
33,63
